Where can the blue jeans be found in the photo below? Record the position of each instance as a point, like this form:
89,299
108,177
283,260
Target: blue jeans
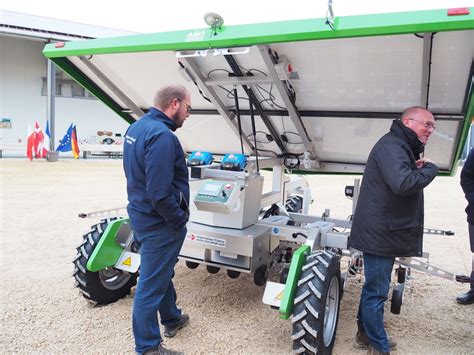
378,271
155,292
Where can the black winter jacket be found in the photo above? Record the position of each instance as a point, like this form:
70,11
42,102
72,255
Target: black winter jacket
467,184
388,220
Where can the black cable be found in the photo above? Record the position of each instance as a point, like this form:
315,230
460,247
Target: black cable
289,156
238,119
295,235
252,118
218,69
273,104
267,136
260,71
199,89
328,22
429,73
296,134
230,94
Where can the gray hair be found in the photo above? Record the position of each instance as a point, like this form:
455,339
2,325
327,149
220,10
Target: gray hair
412,111
165,95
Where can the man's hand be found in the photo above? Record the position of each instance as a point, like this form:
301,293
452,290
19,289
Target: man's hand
422,162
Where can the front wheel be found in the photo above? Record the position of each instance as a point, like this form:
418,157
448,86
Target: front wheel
104,286
316,304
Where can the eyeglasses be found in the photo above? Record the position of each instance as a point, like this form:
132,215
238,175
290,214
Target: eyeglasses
188,108
428,125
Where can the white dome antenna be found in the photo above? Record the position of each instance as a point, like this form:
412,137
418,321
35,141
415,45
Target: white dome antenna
213,20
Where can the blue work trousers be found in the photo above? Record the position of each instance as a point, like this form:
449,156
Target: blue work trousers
155,292
377,270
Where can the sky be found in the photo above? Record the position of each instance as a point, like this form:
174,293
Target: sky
165,15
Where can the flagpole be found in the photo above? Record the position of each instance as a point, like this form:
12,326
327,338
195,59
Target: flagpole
50,107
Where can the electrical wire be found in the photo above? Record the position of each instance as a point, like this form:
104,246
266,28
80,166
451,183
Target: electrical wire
329,22
296,134
195,83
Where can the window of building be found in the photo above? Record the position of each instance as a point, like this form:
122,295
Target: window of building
66,87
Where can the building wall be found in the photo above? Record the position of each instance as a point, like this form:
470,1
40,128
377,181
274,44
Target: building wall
22,69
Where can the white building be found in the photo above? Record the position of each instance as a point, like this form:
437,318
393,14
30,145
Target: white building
23,73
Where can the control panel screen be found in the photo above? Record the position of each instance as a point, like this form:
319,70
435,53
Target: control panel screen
211,189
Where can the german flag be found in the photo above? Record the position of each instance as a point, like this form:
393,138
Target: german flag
74,143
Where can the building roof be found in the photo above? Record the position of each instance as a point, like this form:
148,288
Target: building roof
49,29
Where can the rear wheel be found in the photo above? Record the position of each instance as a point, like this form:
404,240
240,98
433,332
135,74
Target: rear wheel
104,286
316,304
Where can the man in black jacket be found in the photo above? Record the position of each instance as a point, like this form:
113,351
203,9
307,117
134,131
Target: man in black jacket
388,221
467,184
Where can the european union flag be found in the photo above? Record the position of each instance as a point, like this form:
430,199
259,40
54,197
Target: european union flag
65,143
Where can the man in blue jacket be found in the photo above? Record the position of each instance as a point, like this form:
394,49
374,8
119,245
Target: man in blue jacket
158,199
388,221
467,184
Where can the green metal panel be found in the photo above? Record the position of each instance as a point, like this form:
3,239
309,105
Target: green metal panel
272,32
107,251
299,258
465,131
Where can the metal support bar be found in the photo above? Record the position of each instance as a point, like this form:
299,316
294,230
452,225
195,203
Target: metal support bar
355,198
292,110
50,105
238,80
306,218
426,69
425,267
113,212
334,240
451,117
276,137
210,93
137,111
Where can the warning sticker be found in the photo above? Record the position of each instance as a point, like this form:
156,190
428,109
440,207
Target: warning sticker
206,240
127,262
279,296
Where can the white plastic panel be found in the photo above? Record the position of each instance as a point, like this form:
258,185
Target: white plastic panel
349,140
208,133
453,53
139,75
357,74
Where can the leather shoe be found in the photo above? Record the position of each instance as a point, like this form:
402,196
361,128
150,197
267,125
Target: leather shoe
362,342
161,350
466,298
373,351
171,331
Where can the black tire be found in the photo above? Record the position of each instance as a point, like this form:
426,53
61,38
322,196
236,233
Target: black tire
260,275
397,299
401,274
233,274
191,265
316,304
284,275
104,286
212,269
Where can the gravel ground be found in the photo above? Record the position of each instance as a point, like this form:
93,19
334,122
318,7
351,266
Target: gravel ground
42,311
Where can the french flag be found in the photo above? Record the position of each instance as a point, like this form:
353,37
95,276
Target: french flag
46,141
